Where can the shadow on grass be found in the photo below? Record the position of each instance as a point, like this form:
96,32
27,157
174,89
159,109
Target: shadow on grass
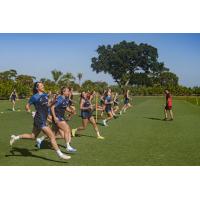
154,118
27,153
100,124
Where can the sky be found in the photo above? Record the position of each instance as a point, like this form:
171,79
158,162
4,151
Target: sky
39,54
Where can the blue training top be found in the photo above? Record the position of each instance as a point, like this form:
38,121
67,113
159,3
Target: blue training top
40,102
61,105
108,99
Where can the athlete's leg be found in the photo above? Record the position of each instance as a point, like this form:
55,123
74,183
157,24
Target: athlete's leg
92,121
81,128
47,131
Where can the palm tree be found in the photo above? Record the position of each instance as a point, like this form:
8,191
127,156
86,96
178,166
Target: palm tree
79,76
56,75
66,78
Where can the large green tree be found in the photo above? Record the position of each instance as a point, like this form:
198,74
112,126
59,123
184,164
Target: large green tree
125,59
8,75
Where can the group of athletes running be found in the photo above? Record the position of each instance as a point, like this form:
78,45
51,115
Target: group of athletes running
49,115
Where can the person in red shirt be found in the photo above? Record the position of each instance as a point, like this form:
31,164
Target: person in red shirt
168,107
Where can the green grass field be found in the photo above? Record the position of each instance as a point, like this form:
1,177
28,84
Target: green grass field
138,138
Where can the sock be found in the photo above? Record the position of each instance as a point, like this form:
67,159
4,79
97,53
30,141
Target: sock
59,152
68,145
42,138
17,137
98,134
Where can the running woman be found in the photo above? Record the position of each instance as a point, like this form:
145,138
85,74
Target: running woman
168,107
126,102
58,112
108,107
86,115
40,101
116,103
102,102
13,98
71,105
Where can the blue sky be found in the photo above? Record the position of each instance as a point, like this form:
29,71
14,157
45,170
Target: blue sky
38,54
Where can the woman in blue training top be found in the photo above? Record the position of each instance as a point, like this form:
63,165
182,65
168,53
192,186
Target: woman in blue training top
126,102
108,108
40,101
86,115
58,110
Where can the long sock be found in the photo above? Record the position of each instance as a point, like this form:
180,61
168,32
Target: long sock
42,138
59,152
68,145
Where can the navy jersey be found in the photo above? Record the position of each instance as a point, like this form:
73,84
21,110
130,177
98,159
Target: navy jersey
13,96
126,99
61,105
108,99
86,103
40,101
86,114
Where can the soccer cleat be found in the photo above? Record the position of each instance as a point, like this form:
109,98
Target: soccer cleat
100,137
74,132
71,150
104,123
33,114
12,139
38,143
65,157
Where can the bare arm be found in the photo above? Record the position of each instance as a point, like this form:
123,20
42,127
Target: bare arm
28,107
53,113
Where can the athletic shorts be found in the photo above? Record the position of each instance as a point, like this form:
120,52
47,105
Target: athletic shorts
168,107
108,110
126,102
13,99
86,115
39,123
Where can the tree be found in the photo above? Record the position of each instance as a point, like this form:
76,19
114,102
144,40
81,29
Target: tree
25,80
79,76
8,75
122,61
65,79
56,75
168,79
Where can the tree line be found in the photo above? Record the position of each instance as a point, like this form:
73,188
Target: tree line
132,66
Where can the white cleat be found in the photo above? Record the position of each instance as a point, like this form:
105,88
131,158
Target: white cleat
12,139
33,114
38,143
65,157
74,132
104,123
71,150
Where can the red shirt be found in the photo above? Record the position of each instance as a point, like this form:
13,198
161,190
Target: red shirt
169,100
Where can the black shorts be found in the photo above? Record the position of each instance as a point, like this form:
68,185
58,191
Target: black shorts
126,102
13,99
168,107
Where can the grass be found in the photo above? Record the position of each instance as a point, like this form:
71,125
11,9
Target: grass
138,138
